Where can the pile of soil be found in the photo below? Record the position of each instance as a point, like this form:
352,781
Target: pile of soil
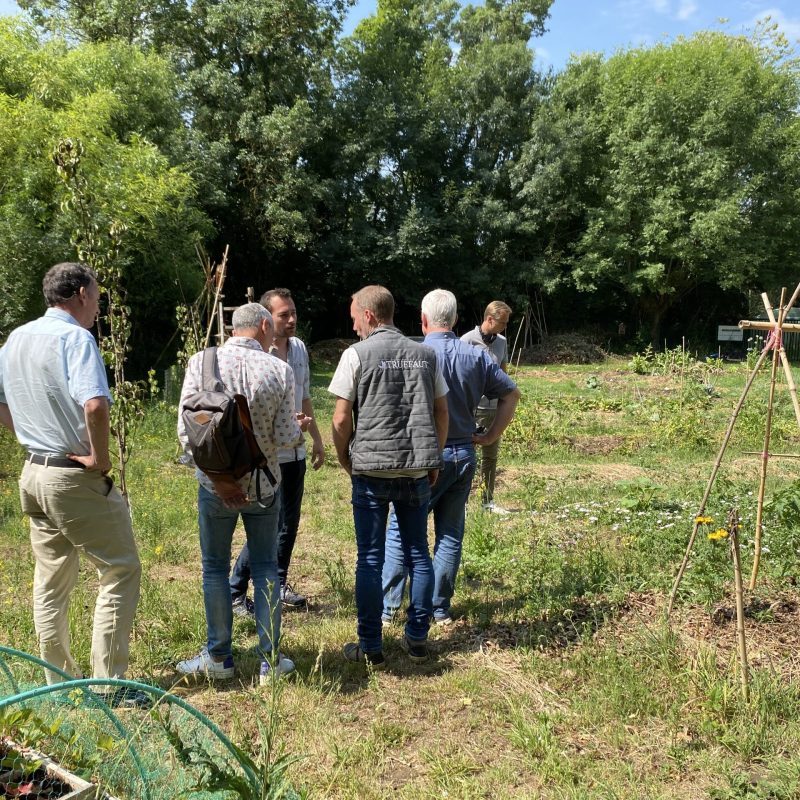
564,348
328,351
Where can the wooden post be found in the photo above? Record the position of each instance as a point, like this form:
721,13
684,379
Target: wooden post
733,529
787,370
216,306
762,484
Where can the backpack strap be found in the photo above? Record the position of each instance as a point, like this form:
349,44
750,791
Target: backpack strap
212,382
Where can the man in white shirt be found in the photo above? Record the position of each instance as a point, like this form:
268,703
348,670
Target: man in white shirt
54,396
292,460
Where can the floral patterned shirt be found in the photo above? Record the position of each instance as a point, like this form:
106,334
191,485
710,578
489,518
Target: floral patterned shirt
268,384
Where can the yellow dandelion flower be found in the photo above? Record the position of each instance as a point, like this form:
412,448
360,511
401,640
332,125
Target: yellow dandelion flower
718,534
704,520
158,549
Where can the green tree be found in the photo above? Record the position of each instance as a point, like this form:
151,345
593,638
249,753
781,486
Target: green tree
255,85
434,103
118,102
660,170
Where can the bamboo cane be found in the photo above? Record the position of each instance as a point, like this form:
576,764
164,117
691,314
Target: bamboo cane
733,529
762,483
223,268
516,339
759,325
787,370
714,471
771,455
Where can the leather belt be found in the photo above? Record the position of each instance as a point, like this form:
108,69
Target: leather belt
54,461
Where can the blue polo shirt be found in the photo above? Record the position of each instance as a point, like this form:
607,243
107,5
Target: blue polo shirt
469,373
49,369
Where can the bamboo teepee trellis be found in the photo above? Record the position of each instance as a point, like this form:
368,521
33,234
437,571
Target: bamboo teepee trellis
774,345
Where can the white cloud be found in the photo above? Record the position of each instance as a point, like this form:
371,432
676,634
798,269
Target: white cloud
687,9
543,55
661,6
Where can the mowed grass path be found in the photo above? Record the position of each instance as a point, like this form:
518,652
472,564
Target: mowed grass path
560,678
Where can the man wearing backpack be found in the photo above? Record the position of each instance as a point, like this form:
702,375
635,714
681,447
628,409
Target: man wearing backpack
267,383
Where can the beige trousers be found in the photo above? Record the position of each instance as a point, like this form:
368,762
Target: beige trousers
72,512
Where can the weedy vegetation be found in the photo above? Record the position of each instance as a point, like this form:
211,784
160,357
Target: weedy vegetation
560,678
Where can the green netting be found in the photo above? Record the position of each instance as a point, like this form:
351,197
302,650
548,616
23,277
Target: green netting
170,751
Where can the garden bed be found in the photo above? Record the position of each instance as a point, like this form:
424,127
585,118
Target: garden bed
27,773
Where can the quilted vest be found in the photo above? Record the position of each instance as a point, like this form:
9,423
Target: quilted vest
394,427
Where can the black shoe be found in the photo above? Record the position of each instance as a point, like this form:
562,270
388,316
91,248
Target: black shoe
417,651
127,697
244,607
352,652
290,598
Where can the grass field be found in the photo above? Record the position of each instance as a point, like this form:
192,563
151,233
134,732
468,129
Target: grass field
560,678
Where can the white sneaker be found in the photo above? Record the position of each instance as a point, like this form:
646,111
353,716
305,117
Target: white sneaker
492,508
284,667
204,664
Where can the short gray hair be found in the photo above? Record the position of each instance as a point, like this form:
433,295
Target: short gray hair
250,316
441,308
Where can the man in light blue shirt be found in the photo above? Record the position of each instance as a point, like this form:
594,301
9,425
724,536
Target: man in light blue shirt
469,373
54,396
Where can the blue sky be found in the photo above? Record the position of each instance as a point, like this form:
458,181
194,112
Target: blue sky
606,25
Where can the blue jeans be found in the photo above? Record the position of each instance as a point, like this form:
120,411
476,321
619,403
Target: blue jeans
289,497
410,498
217,524
448,503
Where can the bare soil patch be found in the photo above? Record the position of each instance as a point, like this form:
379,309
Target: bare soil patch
585,473
598,445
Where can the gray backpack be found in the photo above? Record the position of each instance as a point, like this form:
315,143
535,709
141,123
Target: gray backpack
220,430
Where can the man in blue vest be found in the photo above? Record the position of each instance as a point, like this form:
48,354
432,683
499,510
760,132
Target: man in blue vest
470,373
389,426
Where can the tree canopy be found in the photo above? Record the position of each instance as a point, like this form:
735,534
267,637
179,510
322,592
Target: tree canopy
121,104
665,168
425,149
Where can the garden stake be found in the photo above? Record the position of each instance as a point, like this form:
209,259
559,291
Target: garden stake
220,280
733,529
775,342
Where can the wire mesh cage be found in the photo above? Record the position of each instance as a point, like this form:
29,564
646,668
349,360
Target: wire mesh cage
79,739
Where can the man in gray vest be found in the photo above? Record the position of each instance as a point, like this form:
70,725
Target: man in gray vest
389,427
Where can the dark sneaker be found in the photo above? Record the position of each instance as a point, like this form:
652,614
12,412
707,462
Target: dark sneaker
417,651
352,652
244,607
127,697
290,598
